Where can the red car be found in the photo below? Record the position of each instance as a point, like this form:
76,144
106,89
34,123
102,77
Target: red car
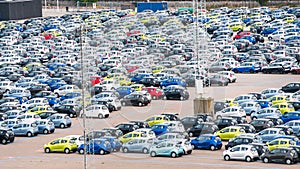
241,34
295,70
131,68
48,36
96,80
155,92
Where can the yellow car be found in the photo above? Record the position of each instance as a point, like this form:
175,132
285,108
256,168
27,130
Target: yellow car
237,26
131,135
113,76
157,69
123,81
157,119
230,132
137,87
281,142
39,110
65,145
278,99
288,19
231,102
284,107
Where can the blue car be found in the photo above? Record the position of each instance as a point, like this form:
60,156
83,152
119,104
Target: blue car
264,103
25,129
160,129
45,126
173,81
292,38
247,67
268,31
139,77
52,100
57,85
207,141
125,90
250,39
290,116
116,145
70,95
61,120
54,66
52,81
96,146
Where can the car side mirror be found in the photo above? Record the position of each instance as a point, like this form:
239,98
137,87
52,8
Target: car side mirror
157,146
231,150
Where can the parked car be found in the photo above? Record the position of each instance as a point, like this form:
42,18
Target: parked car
229,132
229,111
202,128
65,145
100,111
96,146
238,141
166,148
269,134
45,126
6,135
250,107
225,122
290,116
135,100
207,141
126,127
28,129
61,120
269,111
283,155
241,152
141,145
175,93
261,124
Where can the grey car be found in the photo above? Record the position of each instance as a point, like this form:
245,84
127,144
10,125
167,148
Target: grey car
140,145
218,80
269,111
45,126
28,129
61,120
250,107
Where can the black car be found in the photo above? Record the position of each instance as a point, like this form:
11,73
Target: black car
296,105
96,90
260,147
297,149
42,94
126,127
190,121
280,155
6,135
115,132
134,100
238,141
140,124
220,105
239,119
259,96
202,128
248,127
291,87
204,117
225,122
149,81
275,120
71,110
261,124
36,88
97,134
14,77
172,116
46,114
176,94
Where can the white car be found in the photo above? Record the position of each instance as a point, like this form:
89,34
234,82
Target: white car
231,111
7,85
241,152
116,103
79,139
229,75
65,89
175,126
28,117
186,145
147,131
34,101
110,84
100,111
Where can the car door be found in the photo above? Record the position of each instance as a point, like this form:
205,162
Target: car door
234,152
55,145
17,129
133,145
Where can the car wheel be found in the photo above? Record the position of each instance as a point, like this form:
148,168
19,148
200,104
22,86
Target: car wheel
145,151
140,104
173,155
154,97
67,151
71,115
47,150
153,154
294,72
254,118
165,98
226,157
193,146
181,98
29,134
191,134
125,150
57,95
62,125
3,141
251,71
81,151
46,131
123,104
248,159
101,152
212,147
265,160
114,108
100,116
288,161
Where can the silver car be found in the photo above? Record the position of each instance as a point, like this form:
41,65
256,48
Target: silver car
61,120
28,129
45,126
140,145
250,107
268,111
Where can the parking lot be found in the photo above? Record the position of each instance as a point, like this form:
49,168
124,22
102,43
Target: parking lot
28,152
